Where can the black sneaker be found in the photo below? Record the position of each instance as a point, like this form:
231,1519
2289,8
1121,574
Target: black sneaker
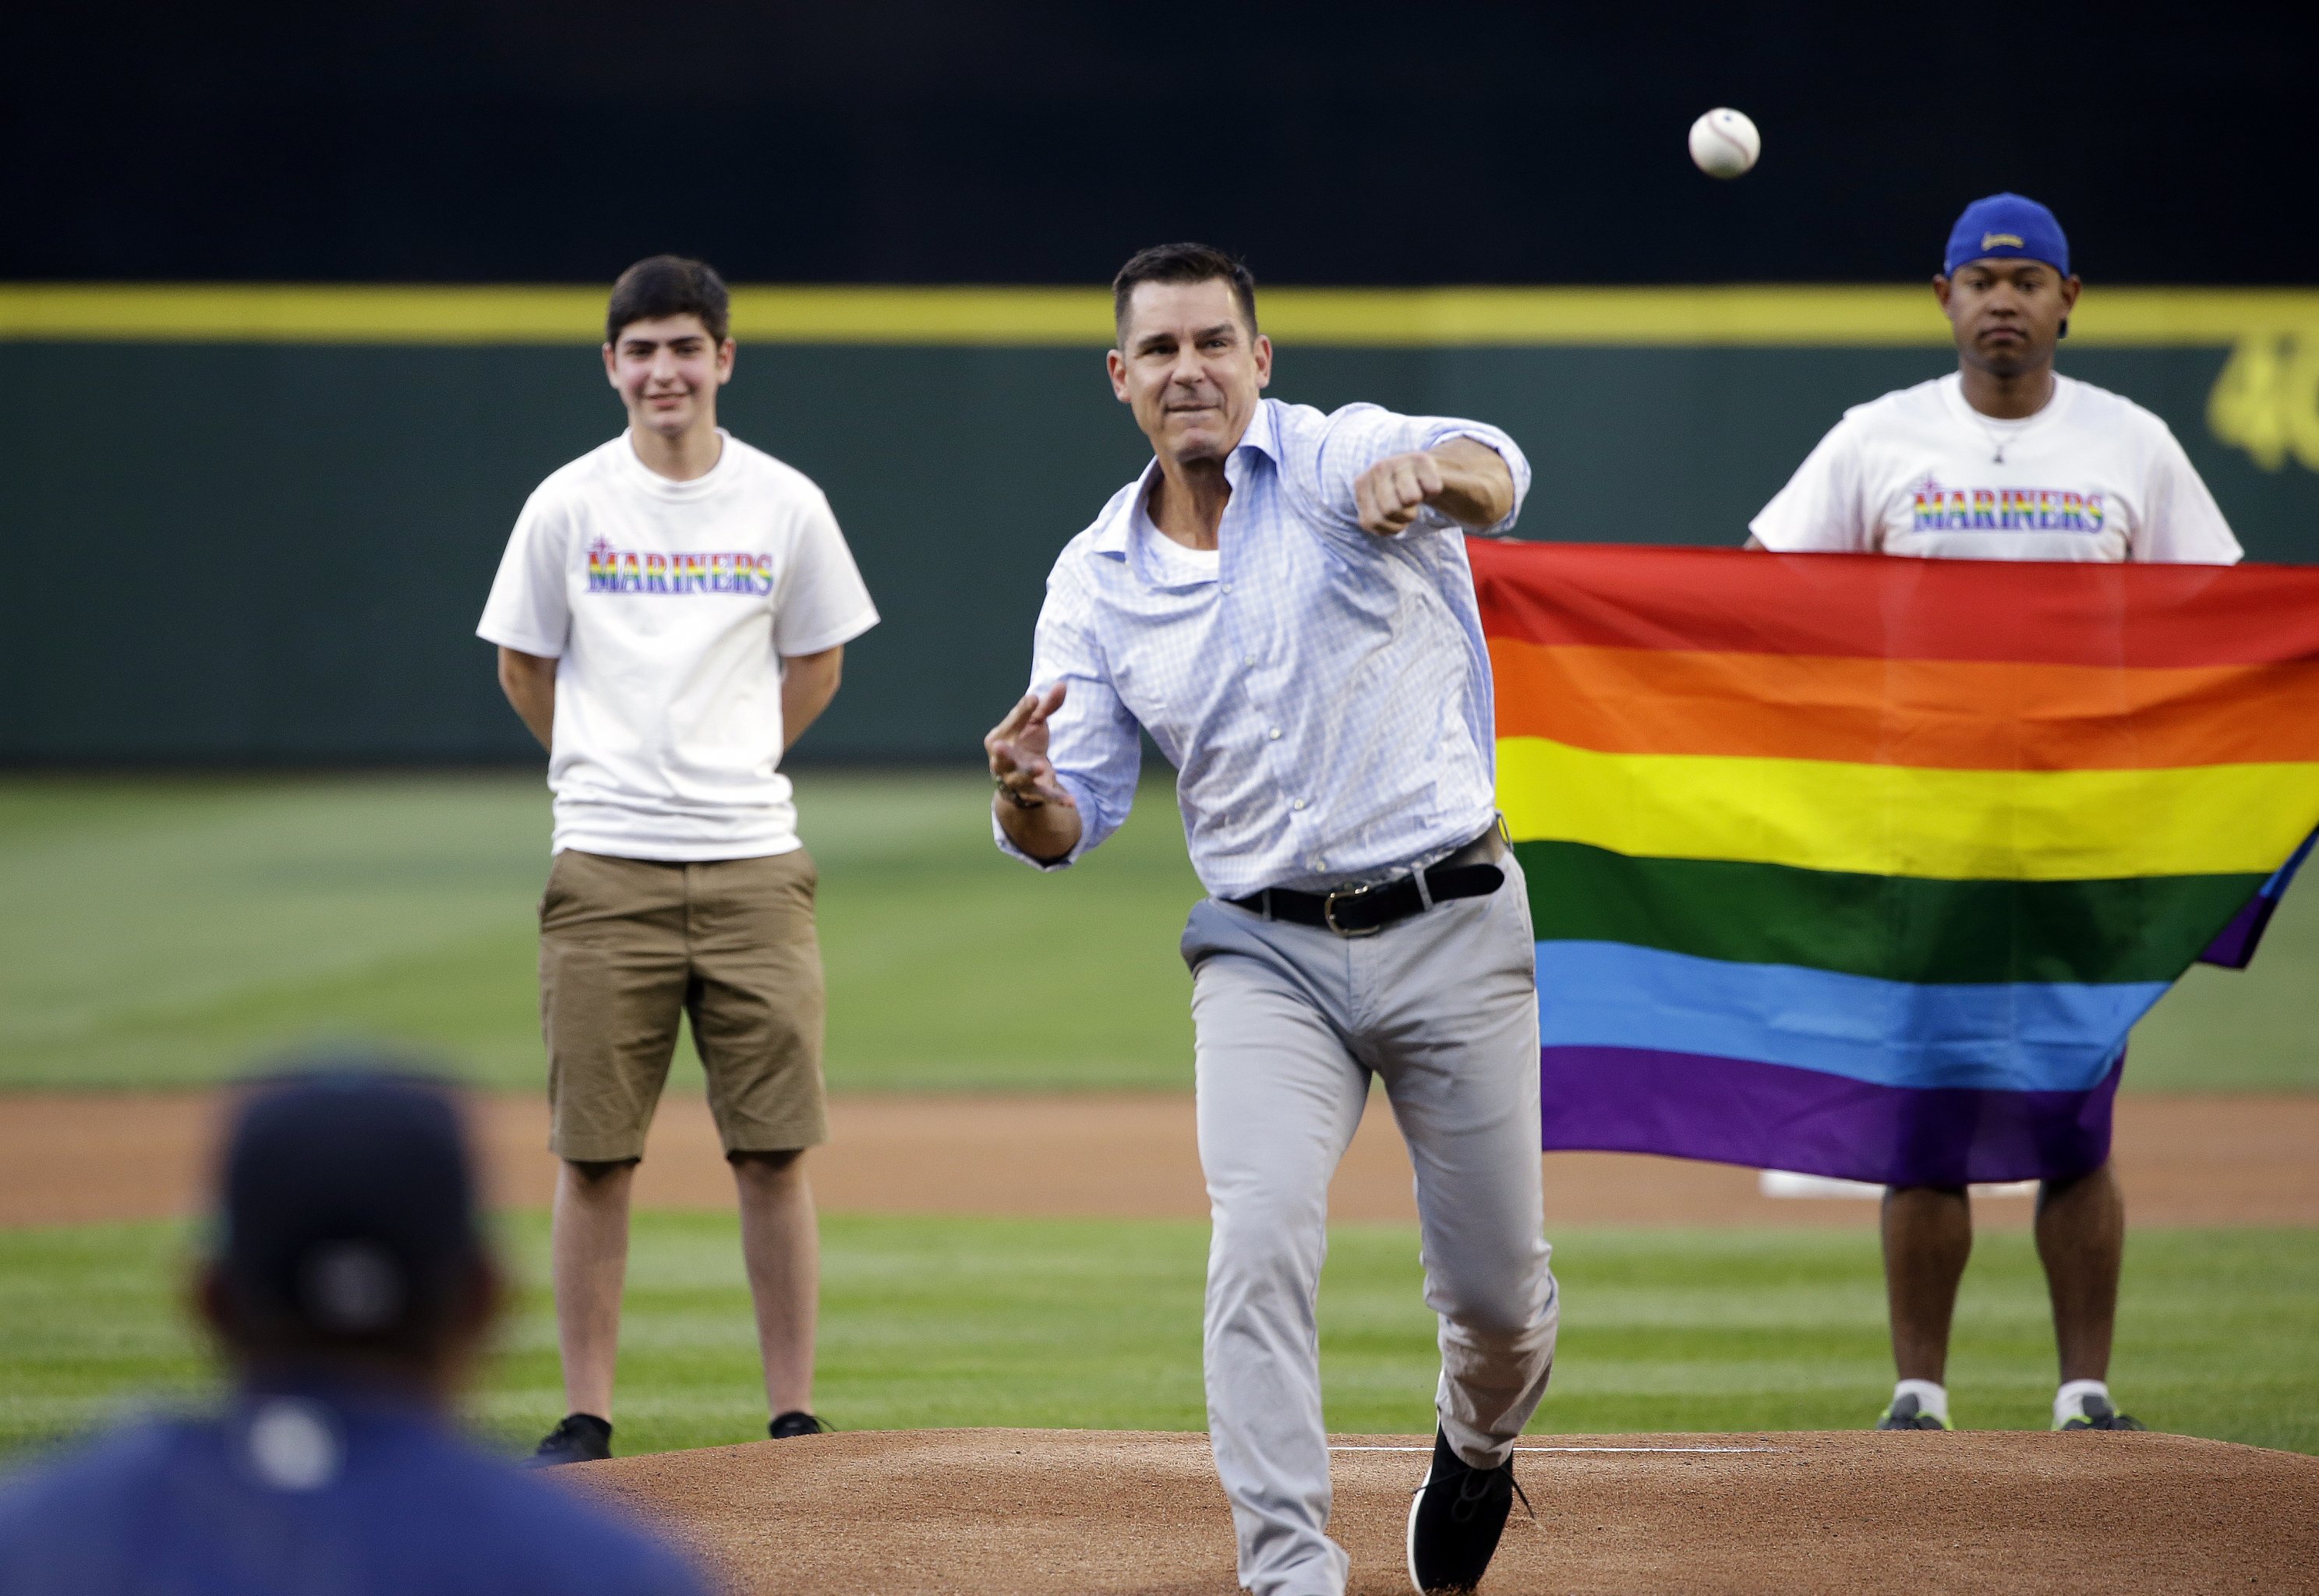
1908,1413
1454,1522
582,1437
2096,1412
796,1422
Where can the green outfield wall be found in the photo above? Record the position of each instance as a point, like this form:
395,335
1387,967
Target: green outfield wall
257,525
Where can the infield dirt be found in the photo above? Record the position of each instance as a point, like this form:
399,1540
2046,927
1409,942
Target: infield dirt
1085,1512
69,1157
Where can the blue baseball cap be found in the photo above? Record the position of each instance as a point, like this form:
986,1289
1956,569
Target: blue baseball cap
349,1200
2007,225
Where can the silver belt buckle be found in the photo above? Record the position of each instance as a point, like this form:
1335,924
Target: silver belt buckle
1329,911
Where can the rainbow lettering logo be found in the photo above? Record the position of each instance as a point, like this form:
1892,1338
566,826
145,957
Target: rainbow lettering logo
2005,509
627,571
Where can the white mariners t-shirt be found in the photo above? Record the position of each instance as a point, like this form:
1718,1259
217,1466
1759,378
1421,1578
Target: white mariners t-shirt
668,607
2092,476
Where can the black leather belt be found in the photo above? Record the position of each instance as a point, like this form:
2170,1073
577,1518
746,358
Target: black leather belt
1472,871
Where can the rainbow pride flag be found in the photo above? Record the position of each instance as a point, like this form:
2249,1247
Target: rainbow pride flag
1865,867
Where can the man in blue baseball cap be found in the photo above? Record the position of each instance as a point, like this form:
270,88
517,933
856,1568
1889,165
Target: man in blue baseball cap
2003,459
2007,289
351,1292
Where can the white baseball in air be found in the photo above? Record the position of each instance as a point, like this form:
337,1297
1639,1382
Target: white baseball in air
1724,143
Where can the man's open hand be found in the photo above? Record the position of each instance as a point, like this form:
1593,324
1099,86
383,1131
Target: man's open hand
1017,747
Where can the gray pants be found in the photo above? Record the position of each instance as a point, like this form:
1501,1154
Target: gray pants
1292,1021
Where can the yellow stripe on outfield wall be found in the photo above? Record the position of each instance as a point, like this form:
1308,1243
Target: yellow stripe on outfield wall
1841,315
1892,820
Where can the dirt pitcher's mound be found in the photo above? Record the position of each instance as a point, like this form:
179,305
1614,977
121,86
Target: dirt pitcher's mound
1083,1511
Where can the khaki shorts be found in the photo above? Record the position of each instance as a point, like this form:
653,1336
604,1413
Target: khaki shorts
627,946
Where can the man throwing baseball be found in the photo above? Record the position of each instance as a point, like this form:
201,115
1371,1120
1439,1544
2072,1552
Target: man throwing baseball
2003,459
1282,600
670,615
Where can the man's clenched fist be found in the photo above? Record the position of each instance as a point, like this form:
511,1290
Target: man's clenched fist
1389,494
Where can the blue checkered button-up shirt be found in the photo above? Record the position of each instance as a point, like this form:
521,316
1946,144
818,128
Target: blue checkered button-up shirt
1325,694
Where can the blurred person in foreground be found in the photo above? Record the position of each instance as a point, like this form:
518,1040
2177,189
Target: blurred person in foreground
351,1293
2002,459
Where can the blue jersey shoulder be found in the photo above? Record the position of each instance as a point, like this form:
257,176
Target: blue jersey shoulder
414,1508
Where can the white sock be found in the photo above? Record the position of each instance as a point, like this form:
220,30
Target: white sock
1931,1398
2070,1401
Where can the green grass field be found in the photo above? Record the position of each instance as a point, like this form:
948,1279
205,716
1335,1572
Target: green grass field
948,1322
169,931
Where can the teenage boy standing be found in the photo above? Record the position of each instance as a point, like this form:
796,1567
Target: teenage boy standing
672,613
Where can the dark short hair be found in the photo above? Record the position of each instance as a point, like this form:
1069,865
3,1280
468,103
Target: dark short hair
669,285
1183,262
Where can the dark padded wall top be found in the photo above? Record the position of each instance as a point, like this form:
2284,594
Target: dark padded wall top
1356,141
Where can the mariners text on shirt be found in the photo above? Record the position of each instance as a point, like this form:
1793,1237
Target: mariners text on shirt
2005,509
629,570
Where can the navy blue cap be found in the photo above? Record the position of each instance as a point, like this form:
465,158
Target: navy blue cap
2007,225
349,1202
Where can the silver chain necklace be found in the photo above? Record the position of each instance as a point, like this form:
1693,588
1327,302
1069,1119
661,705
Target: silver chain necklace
1998,440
